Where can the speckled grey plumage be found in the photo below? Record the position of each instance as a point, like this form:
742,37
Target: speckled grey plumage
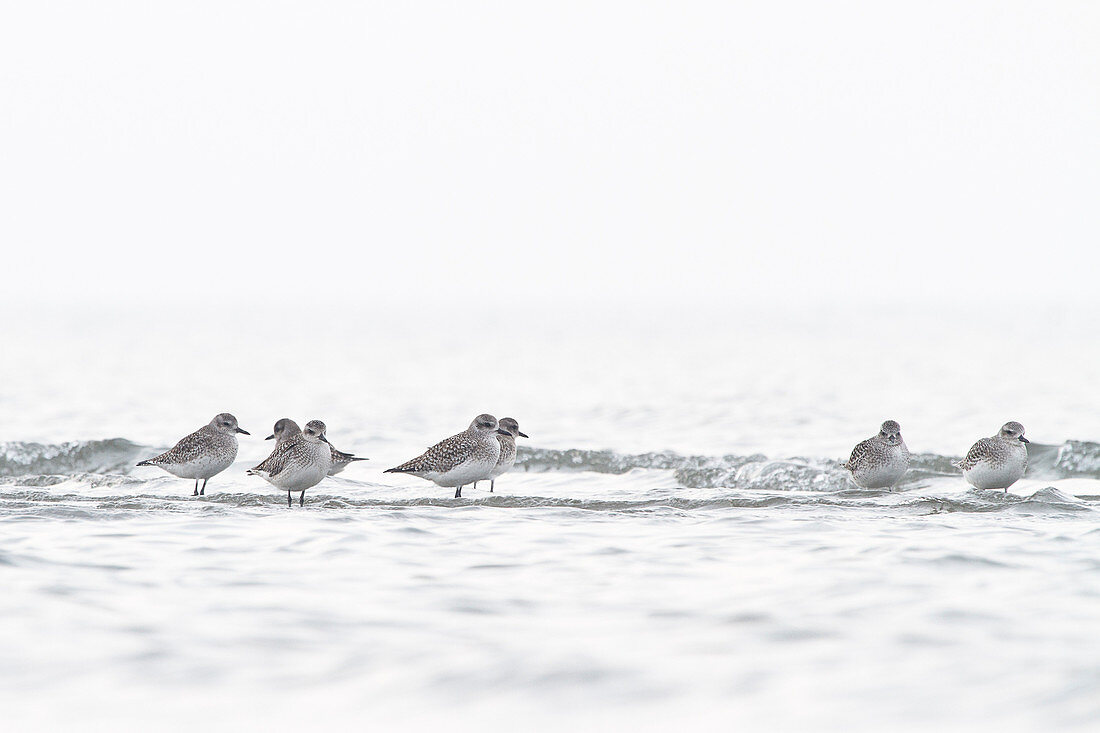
341,460
204,453
286,428
299,462
996,462
460,459
507,450
880,461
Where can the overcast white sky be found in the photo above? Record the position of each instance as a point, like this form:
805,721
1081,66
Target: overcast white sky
677,152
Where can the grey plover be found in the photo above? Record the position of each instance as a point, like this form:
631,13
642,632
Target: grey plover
287,428
880,461
299,462
997,462
460,459
204,453
510,428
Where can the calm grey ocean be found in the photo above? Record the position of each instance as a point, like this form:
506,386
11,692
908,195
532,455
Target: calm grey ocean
677,546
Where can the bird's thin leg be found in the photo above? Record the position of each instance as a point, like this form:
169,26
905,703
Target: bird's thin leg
475,485
492,484
302,498
196,491
288,498
458,493
202,491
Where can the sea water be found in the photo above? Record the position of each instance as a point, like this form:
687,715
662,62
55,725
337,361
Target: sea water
677,546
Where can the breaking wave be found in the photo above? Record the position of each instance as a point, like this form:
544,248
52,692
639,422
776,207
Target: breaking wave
1074,459
35,472
115,455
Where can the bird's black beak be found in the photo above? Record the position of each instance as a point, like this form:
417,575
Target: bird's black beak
270,437
324,439
239,430
521,434
1024,440
503,432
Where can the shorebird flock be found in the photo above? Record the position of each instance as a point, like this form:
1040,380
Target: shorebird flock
303,457
881,461
487,449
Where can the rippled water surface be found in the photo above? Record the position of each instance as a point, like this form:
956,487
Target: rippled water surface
676,547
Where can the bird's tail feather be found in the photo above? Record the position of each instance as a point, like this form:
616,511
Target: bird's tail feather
349,457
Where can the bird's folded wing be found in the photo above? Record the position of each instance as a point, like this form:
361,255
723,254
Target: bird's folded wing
860,454
441,457
279,459
188,449
982,449
339,456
